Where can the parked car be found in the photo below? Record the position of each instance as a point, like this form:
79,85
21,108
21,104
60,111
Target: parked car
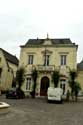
15,93
54,94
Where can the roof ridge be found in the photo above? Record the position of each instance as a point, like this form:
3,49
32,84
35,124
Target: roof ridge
54,41
8,52
10,57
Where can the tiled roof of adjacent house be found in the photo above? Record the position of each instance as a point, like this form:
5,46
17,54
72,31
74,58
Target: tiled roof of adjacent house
9,57
54,41
80,66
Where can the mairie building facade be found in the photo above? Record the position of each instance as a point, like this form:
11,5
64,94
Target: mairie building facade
47,55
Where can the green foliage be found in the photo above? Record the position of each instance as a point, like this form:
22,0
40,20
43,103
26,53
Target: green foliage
73,75
34,77
55,78
77,86
74,85
20,76
76,90
72,78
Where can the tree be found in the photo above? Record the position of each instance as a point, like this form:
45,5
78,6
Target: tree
20,77
34,77
55,78
19,80
77,89
72,81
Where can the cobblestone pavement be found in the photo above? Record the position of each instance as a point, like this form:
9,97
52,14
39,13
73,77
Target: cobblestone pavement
38,112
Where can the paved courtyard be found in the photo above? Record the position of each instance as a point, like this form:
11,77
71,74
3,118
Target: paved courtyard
38,112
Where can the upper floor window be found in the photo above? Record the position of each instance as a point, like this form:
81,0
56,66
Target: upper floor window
46,60
63,59
28,83
30,59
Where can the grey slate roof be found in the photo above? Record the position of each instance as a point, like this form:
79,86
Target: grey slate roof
9,57
54,41
80,66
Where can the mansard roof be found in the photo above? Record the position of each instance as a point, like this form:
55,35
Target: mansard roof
63,41
9,57
80,66
54,41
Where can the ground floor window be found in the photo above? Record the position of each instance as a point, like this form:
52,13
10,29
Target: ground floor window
28,83
63,84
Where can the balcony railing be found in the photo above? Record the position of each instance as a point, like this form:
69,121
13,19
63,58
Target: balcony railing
45,68
64,70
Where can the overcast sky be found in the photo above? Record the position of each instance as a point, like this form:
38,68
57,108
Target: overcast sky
21,20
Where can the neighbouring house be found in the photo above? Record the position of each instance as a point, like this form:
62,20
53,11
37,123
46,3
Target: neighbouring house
47,55
8,67
80,73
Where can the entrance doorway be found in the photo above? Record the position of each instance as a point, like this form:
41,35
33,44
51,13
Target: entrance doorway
44,86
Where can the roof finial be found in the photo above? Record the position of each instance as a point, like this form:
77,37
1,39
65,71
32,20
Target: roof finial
47,36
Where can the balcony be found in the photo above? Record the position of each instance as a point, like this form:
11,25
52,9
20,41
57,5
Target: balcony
45,68
64,70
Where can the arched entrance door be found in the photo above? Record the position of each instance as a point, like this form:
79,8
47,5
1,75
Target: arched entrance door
44,86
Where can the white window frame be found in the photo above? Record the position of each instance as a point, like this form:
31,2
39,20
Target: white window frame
63,85
46,60
28,83
63,59
30,59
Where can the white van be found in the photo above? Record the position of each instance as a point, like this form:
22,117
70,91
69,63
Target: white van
54,94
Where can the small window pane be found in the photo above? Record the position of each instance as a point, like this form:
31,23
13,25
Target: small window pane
63,59
28,84
63,85
46,60
30,59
